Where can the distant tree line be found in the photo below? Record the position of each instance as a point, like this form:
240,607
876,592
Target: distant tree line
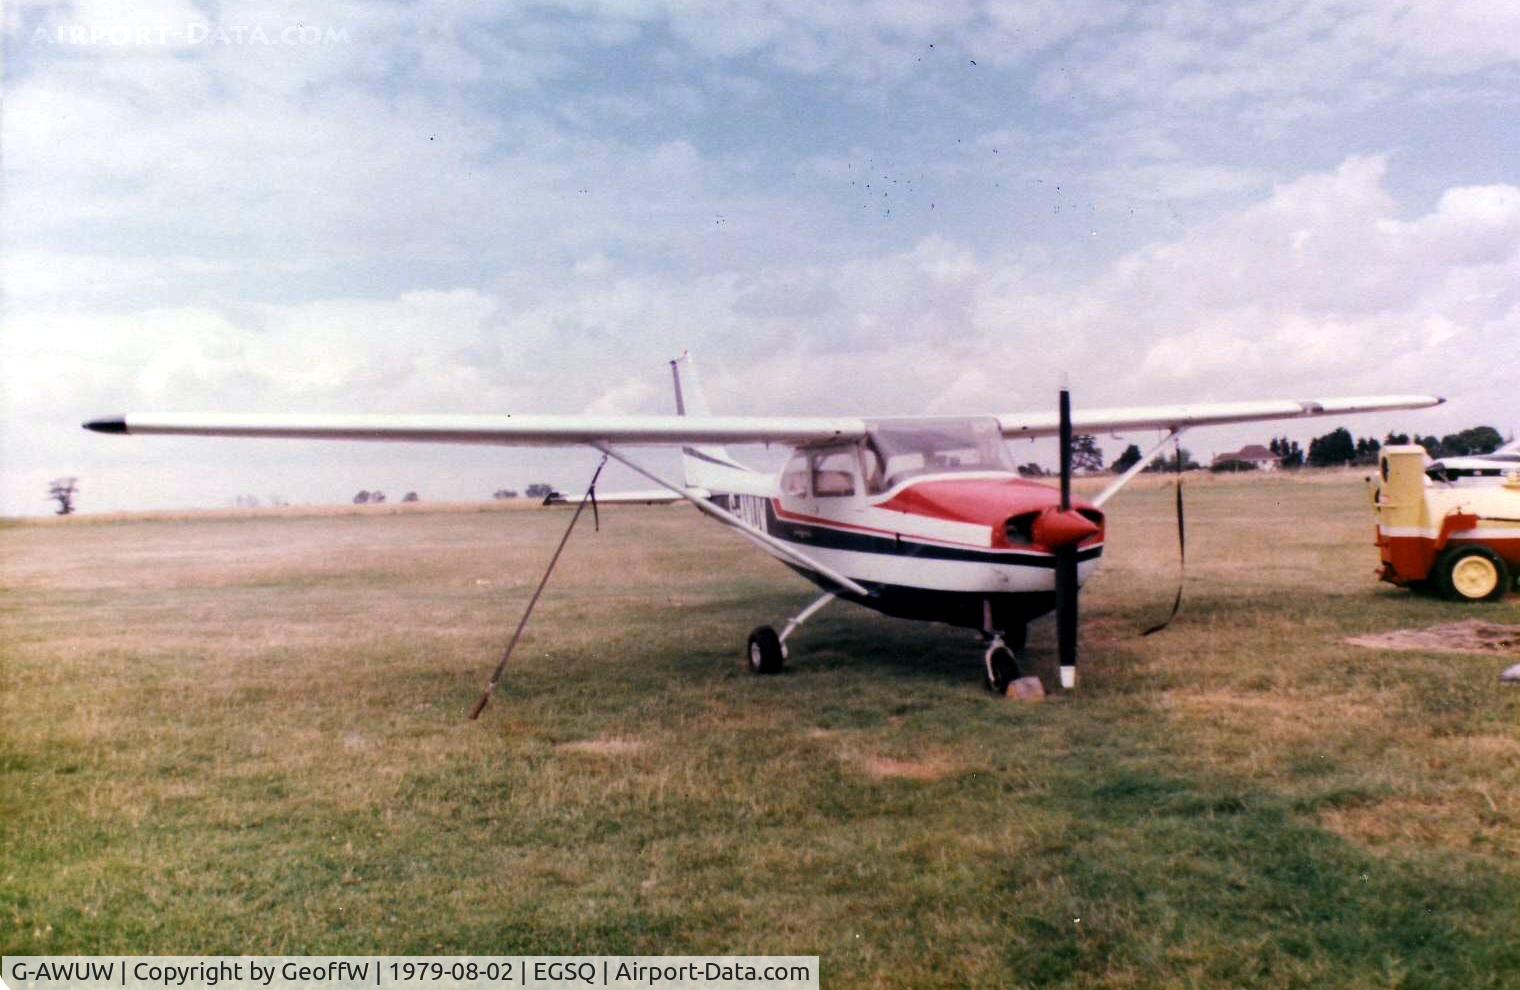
1132,455
250,501
1290,454
1086,458
1468,443
538,490
1338,448
377,497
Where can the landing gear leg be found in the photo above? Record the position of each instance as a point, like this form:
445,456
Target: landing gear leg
1003,649
767,651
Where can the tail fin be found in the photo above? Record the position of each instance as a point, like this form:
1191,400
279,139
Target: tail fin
706,465
690,399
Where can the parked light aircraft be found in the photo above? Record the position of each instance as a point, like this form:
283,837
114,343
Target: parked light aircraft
1491,468
917,517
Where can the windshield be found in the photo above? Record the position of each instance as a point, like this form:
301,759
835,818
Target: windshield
906,448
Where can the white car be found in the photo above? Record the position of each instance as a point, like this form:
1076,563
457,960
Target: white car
1478,467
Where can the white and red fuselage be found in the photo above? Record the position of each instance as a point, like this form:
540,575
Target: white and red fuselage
943,547
931,518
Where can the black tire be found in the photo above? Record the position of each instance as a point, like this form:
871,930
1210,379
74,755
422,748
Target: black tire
764,656
1472,574
1004,670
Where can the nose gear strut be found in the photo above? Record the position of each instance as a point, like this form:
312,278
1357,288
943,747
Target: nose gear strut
1004,651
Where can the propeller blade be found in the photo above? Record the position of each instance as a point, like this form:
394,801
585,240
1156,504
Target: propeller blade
1066,614
1066,564
1065,442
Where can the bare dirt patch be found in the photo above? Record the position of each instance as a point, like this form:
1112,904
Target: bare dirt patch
603,747
1471,636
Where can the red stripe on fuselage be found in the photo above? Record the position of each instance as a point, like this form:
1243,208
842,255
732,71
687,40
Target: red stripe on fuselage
986,501
989,502
828,522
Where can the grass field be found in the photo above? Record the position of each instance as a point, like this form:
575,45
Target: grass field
247,735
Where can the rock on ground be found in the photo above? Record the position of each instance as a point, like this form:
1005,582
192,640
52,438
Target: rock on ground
1027,689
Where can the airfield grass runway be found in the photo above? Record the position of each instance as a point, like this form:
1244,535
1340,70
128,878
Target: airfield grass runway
248,735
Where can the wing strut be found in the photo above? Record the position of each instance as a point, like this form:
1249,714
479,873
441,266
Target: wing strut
1135,468
501,668
745,529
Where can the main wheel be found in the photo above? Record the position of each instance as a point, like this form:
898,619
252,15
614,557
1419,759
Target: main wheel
1002,669
1472,574
764,655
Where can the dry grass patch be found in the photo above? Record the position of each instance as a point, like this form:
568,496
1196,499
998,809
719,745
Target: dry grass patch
1470,636
604,747
925,768
1283,717
1422,823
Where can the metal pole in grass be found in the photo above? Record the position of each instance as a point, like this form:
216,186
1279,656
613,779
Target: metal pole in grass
501,668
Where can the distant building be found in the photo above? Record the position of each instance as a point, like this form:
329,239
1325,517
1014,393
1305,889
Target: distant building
1251,453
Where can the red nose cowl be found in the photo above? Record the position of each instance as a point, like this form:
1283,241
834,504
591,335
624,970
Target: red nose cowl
1056,529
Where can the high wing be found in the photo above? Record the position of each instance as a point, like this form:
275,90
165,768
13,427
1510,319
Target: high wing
798,431
541,431
1046,424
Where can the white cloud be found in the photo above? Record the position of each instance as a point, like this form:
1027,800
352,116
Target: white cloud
32,277
1320,281
1171,181
1357,50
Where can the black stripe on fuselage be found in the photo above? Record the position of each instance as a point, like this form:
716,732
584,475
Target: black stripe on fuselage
812,535
1010,609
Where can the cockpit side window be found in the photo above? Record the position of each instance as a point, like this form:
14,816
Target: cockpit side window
834,472
794,478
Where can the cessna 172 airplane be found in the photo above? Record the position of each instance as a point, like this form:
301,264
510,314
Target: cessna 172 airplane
921,518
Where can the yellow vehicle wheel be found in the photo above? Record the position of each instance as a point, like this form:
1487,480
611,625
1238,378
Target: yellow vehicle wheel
1472,574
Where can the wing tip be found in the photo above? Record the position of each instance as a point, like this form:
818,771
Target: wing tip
112,424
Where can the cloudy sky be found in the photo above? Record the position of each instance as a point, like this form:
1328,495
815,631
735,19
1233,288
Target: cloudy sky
850,207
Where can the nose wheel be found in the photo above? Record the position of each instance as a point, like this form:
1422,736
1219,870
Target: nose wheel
1000,663
1001,660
